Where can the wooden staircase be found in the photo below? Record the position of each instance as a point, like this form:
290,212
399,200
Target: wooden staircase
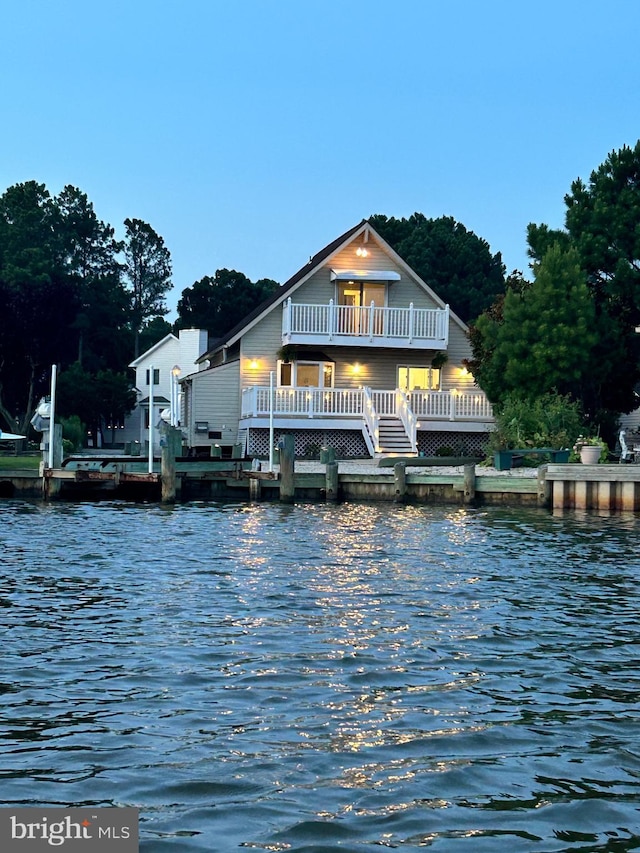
393,439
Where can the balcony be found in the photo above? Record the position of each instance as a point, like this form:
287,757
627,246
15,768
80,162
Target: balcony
365,326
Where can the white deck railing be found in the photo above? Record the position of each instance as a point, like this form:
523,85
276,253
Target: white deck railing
303,402
451,405
369,323
351,402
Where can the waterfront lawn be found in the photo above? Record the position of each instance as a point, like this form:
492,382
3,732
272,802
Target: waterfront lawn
19,463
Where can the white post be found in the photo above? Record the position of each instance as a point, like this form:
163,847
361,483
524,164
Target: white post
271,420
175,396
151,419
52,413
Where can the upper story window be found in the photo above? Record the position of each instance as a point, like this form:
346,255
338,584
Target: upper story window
156,376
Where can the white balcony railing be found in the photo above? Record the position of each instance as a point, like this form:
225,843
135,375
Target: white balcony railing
369,325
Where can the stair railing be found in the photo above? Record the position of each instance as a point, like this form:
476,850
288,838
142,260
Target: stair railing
371,422
408,418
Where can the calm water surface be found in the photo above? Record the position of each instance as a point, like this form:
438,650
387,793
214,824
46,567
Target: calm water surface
317,678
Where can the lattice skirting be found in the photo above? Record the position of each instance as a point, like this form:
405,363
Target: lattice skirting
459,443
347,443
350,444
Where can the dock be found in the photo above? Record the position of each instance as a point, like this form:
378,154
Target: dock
556,486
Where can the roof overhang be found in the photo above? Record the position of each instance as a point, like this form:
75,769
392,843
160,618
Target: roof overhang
364,275
157,400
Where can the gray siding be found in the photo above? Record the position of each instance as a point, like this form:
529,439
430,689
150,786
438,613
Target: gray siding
319,289
215,398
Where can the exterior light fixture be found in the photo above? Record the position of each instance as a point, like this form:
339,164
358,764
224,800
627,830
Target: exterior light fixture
253,364
361,253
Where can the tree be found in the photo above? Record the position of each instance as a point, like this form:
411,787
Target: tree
602,222
98,400
148,271
218,304
39,300
154,330
455,262
116,398
90,259
541,338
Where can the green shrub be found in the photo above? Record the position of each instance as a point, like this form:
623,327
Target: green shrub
73,432
549,421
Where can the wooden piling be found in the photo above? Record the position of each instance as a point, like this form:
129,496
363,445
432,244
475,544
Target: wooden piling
171,447
544,487
286,445
255,488
469,493
331,481
400,482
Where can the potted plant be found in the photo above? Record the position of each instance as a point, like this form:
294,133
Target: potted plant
590,450
287,353
439,360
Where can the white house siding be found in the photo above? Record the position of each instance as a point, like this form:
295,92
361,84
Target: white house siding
214,398
163,356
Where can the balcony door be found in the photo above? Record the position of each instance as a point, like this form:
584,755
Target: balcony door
354,307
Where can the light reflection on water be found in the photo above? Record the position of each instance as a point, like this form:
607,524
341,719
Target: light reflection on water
325,678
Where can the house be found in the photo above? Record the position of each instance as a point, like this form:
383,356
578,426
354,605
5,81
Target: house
157,373
354,351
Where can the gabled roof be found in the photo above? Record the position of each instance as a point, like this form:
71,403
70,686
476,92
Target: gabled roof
305,272
152,349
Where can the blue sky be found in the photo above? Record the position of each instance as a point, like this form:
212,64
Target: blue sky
249,134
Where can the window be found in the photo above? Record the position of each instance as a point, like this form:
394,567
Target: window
305,374
412,378
156,376
285,373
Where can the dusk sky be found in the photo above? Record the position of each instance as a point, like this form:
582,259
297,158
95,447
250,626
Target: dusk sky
249,134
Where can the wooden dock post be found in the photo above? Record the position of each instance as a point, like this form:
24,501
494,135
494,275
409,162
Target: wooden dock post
287,448
331,481
469,493
255,488
400,482
171,447
544,487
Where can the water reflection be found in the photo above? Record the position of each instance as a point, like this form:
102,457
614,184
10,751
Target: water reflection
320,678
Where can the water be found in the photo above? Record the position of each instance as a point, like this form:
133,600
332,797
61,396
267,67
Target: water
319,678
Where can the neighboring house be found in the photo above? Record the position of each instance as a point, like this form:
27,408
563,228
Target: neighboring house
352,347
163,365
